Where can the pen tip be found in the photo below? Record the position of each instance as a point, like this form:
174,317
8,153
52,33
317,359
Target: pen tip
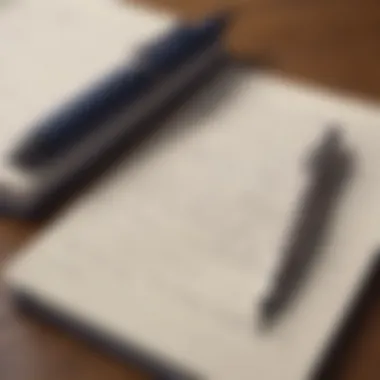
7,202
269,309
334,133
328,149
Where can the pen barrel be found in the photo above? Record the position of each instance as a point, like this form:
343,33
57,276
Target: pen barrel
331,167
68,125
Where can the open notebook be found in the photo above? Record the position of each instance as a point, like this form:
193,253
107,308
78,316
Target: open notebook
170,252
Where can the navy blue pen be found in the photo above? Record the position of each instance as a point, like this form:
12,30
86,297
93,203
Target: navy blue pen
55,135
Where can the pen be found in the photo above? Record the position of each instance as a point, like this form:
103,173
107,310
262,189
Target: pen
329,168
93,109
124,133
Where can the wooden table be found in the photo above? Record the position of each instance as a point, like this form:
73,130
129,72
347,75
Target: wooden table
330,42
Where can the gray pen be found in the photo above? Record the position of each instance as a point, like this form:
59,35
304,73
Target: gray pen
330,167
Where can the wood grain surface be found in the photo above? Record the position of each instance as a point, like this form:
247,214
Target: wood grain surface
330,42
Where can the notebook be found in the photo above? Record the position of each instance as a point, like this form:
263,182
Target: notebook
53,50
171,251
168,255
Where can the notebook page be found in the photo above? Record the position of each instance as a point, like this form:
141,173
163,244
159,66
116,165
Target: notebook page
172,249
50,51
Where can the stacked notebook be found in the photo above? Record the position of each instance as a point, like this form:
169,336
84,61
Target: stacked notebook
52,52
167,257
